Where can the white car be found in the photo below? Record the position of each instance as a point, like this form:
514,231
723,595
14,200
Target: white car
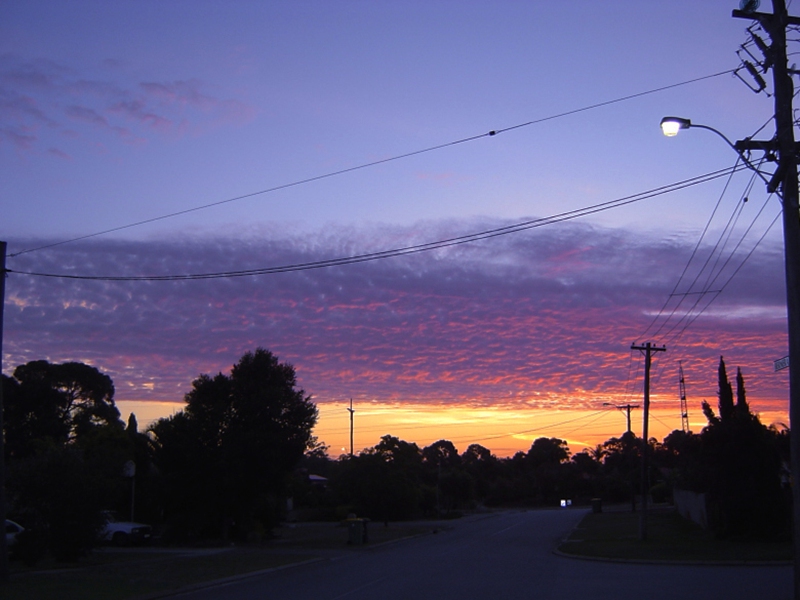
124,533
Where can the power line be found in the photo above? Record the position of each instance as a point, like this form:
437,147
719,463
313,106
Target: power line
543,427
690,319
374,163
424,247
688,263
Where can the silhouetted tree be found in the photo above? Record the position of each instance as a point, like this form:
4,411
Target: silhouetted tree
55,494
441,453
66,446
227,456
383,482
55,404
549,451
453,485
741,467
486,472
622,467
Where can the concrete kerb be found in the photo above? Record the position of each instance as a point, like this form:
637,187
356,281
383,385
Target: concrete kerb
227,580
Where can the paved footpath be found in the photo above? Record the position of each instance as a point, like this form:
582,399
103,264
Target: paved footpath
502,556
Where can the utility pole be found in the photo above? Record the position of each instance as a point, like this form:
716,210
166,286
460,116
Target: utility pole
785,178
627,408
352,412
648,350
4,574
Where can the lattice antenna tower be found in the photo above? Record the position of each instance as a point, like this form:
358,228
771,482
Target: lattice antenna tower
684,408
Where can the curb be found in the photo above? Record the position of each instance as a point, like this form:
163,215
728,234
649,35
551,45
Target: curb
225,580
677,563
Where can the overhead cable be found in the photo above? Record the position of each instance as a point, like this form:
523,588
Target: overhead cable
425,247
372,163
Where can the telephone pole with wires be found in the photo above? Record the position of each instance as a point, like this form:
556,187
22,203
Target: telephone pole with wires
648,350
4,574
784,150
627,408
352,412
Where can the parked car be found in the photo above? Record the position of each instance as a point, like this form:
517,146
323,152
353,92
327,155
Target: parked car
124,533
12,530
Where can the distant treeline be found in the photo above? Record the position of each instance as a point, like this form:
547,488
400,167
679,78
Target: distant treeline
241,456
741,465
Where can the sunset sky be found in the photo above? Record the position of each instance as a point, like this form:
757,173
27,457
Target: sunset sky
277,134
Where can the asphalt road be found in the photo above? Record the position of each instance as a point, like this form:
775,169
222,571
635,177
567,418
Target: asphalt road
501,556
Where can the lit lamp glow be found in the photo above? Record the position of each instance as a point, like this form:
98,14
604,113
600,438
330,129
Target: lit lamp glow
670,126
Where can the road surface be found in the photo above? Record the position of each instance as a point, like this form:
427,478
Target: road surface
502,556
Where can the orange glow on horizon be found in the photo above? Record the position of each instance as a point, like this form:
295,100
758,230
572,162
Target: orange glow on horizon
505,430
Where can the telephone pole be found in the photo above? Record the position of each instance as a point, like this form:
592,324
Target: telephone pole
352,411
785,178
4,574
627,408
648,350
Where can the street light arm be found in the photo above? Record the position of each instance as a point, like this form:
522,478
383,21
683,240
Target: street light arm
670,126
723,136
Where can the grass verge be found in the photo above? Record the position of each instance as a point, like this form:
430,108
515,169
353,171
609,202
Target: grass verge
670,537
120,574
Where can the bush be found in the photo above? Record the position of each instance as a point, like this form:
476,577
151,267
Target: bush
30,547
660,492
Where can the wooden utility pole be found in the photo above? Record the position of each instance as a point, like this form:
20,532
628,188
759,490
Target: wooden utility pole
648,350
785,180
627,408
4,575
352,412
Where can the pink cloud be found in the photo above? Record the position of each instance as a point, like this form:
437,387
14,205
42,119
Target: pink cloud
451,329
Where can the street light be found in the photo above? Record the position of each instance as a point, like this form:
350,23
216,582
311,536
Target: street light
670,126
784,150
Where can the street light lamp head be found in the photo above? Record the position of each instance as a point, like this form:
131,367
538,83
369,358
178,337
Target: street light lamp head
670,126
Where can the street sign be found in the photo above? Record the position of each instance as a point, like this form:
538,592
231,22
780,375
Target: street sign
781,363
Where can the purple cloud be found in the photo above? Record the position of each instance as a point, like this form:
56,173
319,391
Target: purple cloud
136,110
59,153
37,93
86,115
544,318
